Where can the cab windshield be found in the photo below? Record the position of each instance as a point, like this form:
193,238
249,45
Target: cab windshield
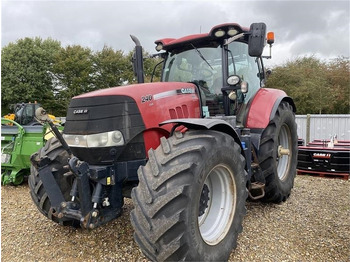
204,66
200,65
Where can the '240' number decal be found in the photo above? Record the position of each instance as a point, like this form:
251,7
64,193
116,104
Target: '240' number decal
147,98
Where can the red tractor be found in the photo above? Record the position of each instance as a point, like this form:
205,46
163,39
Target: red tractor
188,150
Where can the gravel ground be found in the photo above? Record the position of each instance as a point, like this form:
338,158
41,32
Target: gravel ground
312,225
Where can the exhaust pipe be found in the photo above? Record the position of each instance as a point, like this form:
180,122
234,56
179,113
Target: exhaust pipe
137,60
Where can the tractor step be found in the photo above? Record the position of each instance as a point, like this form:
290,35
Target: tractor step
256,190
344,176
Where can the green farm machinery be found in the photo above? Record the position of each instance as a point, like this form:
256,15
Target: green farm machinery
18,143
21,136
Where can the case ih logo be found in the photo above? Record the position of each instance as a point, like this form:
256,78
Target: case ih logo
321,155
80,111
187,90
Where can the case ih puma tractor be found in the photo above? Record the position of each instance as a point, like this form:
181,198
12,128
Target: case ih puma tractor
188,150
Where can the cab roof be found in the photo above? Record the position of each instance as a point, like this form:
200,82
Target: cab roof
205,39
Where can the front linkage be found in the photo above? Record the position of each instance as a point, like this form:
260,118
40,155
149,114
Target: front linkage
96,196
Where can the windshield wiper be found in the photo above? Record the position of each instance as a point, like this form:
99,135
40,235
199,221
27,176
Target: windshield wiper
201,56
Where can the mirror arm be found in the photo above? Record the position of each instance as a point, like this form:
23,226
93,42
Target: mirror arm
270,55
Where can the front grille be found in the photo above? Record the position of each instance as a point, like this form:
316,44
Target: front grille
94,115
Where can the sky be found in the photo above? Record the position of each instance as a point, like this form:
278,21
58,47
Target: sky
302,28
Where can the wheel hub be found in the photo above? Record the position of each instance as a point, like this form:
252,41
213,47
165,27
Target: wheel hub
283,151
217,204
283,157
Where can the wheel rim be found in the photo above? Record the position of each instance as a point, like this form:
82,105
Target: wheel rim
216,216
283,152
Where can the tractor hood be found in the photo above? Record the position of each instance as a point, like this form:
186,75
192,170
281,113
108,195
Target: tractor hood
157,102
136,91
135,111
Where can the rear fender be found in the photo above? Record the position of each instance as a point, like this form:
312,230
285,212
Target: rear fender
264,106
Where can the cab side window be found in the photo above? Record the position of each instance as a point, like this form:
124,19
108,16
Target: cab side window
245,66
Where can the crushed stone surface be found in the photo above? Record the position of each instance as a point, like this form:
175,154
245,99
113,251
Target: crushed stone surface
312,225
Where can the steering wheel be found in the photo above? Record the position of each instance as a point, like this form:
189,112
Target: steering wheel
183,69
206,72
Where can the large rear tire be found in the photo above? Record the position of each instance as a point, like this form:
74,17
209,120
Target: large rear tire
190,201
54,150
278,154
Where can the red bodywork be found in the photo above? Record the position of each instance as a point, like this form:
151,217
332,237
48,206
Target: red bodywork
158,102
169,43
261,109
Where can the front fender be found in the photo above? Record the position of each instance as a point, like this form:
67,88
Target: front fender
206,123
264,106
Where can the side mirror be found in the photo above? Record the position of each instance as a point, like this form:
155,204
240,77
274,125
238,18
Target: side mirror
256,41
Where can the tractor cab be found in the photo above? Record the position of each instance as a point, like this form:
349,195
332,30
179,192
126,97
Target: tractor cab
23,113
225,64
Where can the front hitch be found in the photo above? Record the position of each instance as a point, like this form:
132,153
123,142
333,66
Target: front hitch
96,197
80,169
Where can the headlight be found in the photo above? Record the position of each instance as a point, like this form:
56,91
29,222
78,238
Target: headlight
97,140
233,80
117,137
232,31
107,139
5,158
220,33
159,47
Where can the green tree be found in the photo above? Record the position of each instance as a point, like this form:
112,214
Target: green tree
73,74
25,71
149,67
306,80
149,64
111,68
338,76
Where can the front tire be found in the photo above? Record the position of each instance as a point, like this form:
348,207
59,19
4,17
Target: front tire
278,154
54,150
190,201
